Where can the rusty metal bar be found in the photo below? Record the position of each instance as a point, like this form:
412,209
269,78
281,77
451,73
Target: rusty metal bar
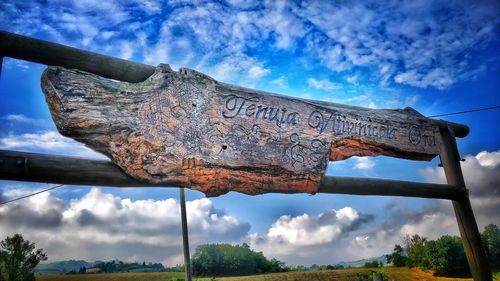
34,167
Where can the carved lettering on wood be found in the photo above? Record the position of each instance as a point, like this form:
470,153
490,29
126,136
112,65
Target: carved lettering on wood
184,128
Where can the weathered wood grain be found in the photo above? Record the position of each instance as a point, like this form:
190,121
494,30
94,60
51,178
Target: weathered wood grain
471,238
186,128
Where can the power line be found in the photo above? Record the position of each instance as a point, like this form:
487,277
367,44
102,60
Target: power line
466,111
29,195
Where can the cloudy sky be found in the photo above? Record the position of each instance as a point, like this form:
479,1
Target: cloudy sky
435,56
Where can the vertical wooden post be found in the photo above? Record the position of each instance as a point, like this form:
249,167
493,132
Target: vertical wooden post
467,225
185,240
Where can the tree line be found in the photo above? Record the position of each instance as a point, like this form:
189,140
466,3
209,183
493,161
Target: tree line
18,258
445,256
232,260
120,266
237,260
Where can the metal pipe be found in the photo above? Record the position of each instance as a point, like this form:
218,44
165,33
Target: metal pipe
44,52
34,167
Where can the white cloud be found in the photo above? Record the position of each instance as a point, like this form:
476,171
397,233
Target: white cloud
12,124
346,215
437,218
243,69
278,19
45,140
298,231
482,178
480,172
150,6
102,226
9,63
257,72
366,99
423,46
432,225
346,234
364,163
417,43
323,84
280,82
488,159
438,78
412,100
107,34
18,118
372,105
127,50
100,221
49,141
353,79
427,44
302,238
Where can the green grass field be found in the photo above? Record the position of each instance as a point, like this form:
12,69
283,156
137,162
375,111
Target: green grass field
399,274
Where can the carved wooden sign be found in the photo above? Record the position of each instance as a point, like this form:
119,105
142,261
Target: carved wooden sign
185,128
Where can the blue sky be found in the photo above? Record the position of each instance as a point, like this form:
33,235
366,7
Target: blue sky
435,56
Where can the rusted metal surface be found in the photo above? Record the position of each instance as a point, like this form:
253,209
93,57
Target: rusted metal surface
188,129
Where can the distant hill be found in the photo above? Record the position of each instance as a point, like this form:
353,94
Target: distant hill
360,263
61,267
64,267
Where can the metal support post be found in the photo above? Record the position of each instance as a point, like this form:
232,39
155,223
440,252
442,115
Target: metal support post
185,240
467,225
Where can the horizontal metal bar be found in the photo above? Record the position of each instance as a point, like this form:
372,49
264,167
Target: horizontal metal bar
44,52
34,167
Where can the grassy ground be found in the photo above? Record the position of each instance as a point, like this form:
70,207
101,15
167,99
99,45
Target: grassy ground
399,274
135,276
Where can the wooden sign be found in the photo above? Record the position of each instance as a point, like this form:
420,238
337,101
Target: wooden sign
186,129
